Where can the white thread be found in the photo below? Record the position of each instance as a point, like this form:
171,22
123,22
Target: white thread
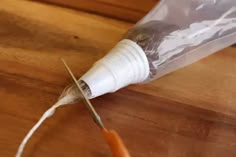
68,96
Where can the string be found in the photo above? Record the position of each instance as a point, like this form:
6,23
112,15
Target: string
68,96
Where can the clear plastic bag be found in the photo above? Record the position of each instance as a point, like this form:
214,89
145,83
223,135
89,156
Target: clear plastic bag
172,35
177,33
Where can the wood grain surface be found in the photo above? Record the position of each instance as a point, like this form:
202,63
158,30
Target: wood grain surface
191,112
129,10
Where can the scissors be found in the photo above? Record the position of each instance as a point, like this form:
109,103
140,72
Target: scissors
112,138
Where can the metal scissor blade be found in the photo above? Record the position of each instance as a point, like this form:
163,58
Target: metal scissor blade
89,106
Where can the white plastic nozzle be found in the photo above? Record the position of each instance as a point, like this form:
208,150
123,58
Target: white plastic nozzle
125,64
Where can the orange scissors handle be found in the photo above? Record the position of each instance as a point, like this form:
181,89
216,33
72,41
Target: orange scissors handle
115,143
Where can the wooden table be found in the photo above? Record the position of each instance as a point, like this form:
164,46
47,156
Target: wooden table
128,10
189,113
